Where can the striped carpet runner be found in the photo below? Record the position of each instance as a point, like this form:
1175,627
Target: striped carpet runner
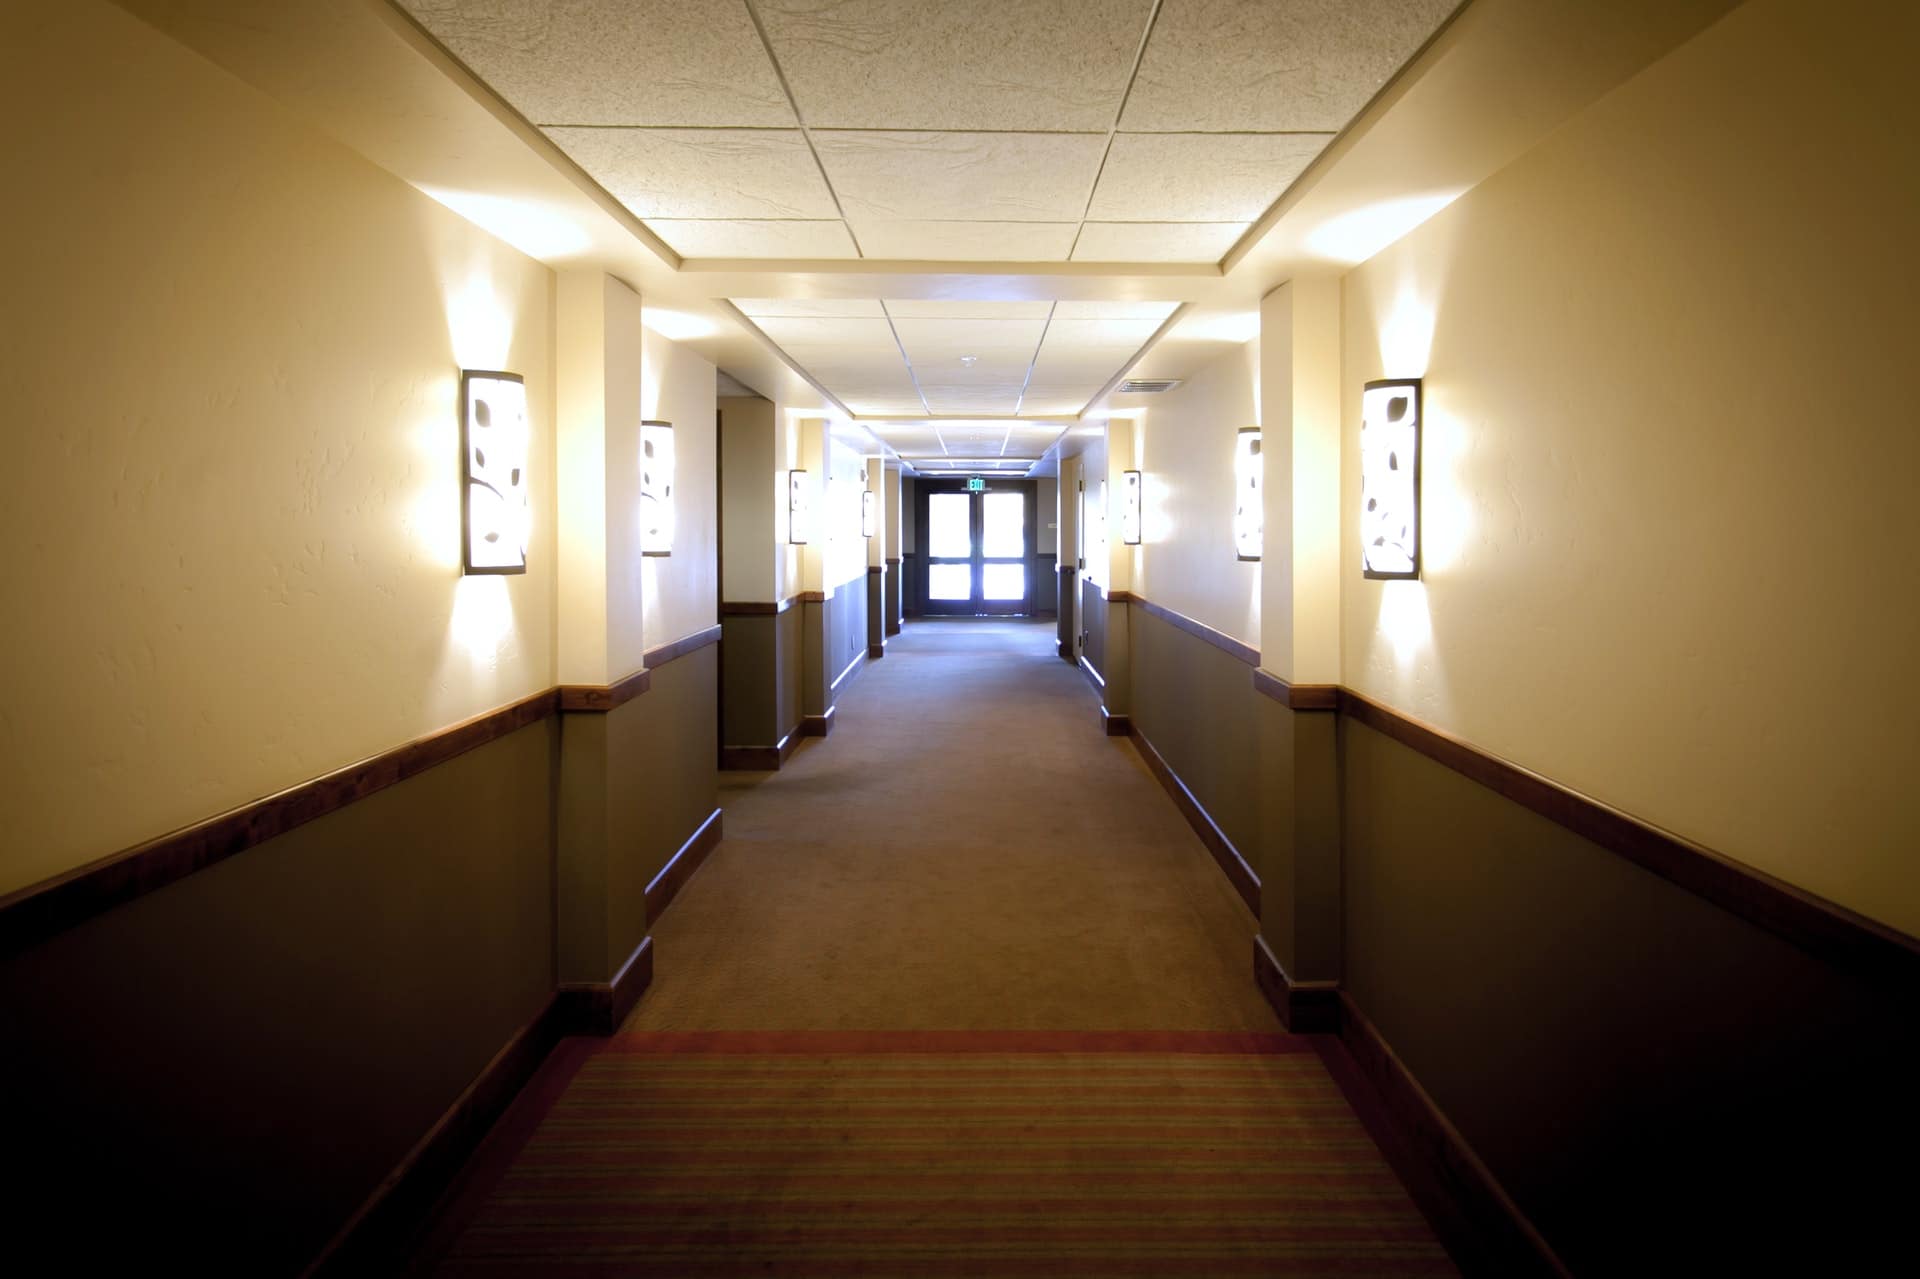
914,1153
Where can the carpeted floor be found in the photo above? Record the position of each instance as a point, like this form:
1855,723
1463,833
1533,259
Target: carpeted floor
966,850
959,993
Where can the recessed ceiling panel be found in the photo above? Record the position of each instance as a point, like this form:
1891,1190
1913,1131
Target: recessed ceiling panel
1199,177
1068,333
650,62
1050,399
948,341
934,64
948,398
929,241
1156,241
815,308
991,177
1155,311
744,238
848,333
703,173
1305,65
944,309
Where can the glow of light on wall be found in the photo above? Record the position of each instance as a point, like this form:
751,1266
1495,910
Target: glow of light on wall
479,324
656,488
482,619
1446,517
1406,335
1130,507
677,326
1405,620
493,443
1234,326
1390,478
535,230
799,508
1249,510
1354,237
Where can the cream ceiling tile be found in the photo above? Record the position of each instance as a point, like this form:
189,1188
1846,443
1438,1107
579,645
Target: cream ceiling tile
1155,311
1199,177
703,173
1053,399
944,309
934,64
882,403
655,62
988,341
815,308
991,177
1032,440
748,238
1295,65
850,333
929,241
1156,241
1070,334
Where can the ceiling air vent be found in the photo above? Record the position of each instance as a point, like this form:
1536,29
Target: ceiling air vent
1148,385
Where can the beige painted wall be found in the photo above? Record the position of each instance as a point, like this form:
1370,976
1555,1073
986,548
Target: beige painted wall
1187,557
843,550
682,589
747,458
233,353
1668,454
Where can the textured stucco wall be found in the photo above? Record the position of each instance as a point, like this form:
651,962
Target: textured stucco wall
233,357
1666,445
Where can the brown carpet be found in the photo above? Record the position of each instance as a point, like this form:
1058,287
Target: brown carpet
965,851
959,993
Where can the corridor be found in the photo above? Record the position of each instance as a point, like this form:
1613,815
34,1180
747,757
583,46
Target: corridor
981,859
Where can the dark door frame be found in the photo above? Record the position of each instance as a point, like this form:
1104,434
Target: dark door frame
924,488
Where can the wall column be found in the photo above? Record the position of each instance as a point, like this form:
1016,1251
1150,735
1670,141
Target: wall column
1298,955
877,561
597,342
896,580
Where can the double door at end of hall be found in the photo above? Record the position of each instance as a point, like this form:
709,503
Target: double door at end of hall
978,545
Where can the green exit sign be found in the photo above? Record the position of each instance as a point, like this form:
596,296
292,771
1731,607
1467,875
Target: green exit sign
976,484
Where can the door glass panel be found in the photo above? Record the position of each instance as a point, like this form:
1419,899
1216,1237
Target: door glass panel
1004,581
950,581
949,530
1005,536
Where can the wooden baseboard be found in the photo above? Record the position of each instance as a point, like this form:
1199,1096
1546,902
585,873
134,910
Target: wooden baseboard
893,628
1115,725
598,1007
379,1237
680,867
1066,651
1304,1007
876,651
761,759
1231,863
1481,1226
817,725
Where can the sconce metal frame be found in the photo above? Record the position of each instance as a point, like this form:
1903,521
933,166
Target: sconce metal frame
799,508
468,479
1130,485
1247,467
866,513
1380,457
651,433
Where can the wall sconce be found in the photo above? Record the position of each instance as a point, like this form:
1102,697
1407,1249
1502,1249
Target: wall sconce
1130,507
1390,478
656,488
799,509
866,513
1249,516
493,449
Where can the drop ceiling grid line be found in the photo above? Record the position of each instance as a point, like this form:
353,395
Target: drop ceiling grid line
1119,111
753,15
912,375
1020,401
